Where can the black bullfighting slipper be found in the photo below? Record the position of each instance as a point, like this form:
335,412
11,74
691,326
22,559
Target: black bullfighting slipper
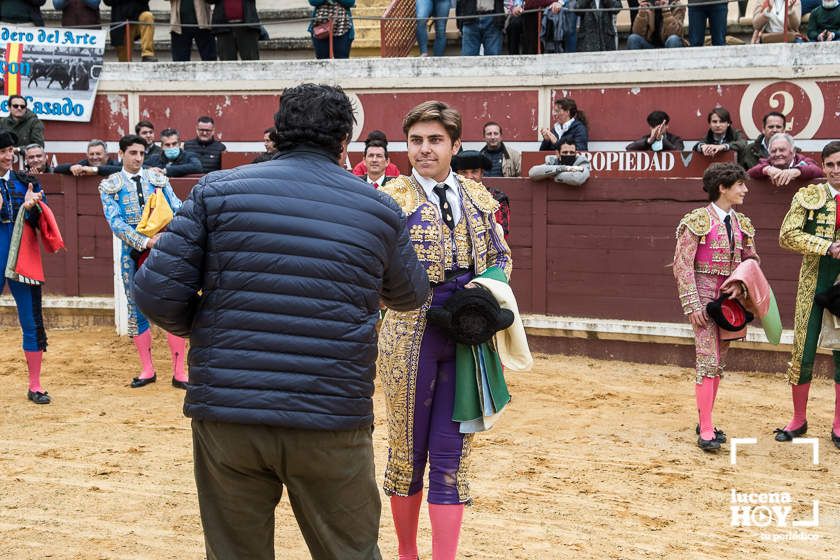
38,397
179,384
708,444
835,440
139,382
720,435
788,435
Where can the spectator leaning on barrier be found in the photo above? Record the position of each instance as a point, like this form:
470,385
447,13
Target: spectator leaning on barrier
659,27
506,162
35,159
146,130
97,162
174,161
343,31
132,11
22,12
774,123
824,23
659,138
79,13
701,10
768,21
571,125
438,9
242,37
784,164
596,31
27,127
482,31
205,145
721,136
270,143
189,21
568,166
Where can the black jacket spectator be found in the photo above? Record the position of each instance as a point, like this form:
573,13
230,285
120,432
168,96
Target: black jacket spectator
22,11
577,133
241,41
124,10
111,167
79,13
187,163
670,142
210,153
279,251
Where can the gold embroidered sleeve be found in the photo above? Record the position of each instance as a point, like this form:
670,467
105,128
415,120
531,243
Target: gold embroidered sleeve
792,233
684,271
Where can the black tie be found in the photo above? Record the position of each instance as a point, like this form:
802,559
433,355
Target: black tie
728,223
445,209
137,182
6,210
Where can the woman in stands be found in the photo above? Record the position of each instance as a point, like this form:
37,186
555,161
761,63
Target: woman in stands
571,125
711,242
721,136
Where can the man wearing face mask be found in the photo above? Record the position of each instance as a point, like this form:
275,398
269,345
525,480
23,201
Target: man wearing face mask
568,166
173,161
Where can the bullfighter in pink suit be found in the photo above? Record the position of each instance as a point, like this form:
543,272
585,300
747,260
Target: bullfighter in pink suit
711,242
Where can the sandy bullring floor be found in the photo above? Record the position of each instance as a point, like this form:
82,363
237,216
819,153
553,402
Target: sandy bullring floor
594,459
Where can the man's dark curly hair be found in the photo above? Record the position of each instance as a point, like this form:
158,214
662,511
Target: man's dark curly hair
314,115
721,175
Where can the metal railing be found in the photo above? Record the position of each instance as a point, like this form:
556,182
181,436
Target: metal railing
397,35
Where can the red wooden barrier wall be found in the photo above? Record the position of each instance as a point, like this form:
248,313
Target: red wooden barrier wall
601,250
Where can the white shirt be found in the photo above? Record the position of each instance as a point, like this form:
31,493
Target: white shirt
379,182
453,193
834,192
7,175
720,212
561,128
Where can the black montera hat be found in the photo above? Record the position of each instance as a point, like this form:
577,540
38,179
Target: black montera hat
829,299
8,138
471,316
471,159
728,313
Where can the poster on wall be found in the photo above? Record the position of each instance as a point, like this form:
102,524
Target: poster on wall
55,69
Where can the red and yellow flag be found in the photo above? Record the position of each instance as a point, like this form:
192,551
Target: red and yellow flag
11,82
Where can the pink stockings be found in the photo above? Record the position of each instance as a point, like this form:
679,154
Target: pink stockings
446,526
177,346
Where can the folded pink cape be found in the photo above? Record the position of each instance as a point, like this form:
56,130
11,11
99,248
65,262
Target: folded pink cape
749,272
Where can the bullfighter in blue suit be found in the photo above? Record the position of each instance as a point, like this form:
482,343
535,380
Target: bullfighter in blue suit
123,197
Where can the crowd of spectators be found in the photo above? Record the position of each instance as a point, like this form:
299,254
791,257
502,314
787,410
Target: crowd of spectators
231,29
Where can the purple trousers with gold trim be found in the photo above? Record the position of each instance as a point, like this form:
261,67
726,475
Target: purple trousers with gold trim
436,437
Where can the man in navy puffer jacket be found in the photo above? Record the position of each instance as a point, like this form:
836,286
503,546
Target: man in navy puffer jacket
275,271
